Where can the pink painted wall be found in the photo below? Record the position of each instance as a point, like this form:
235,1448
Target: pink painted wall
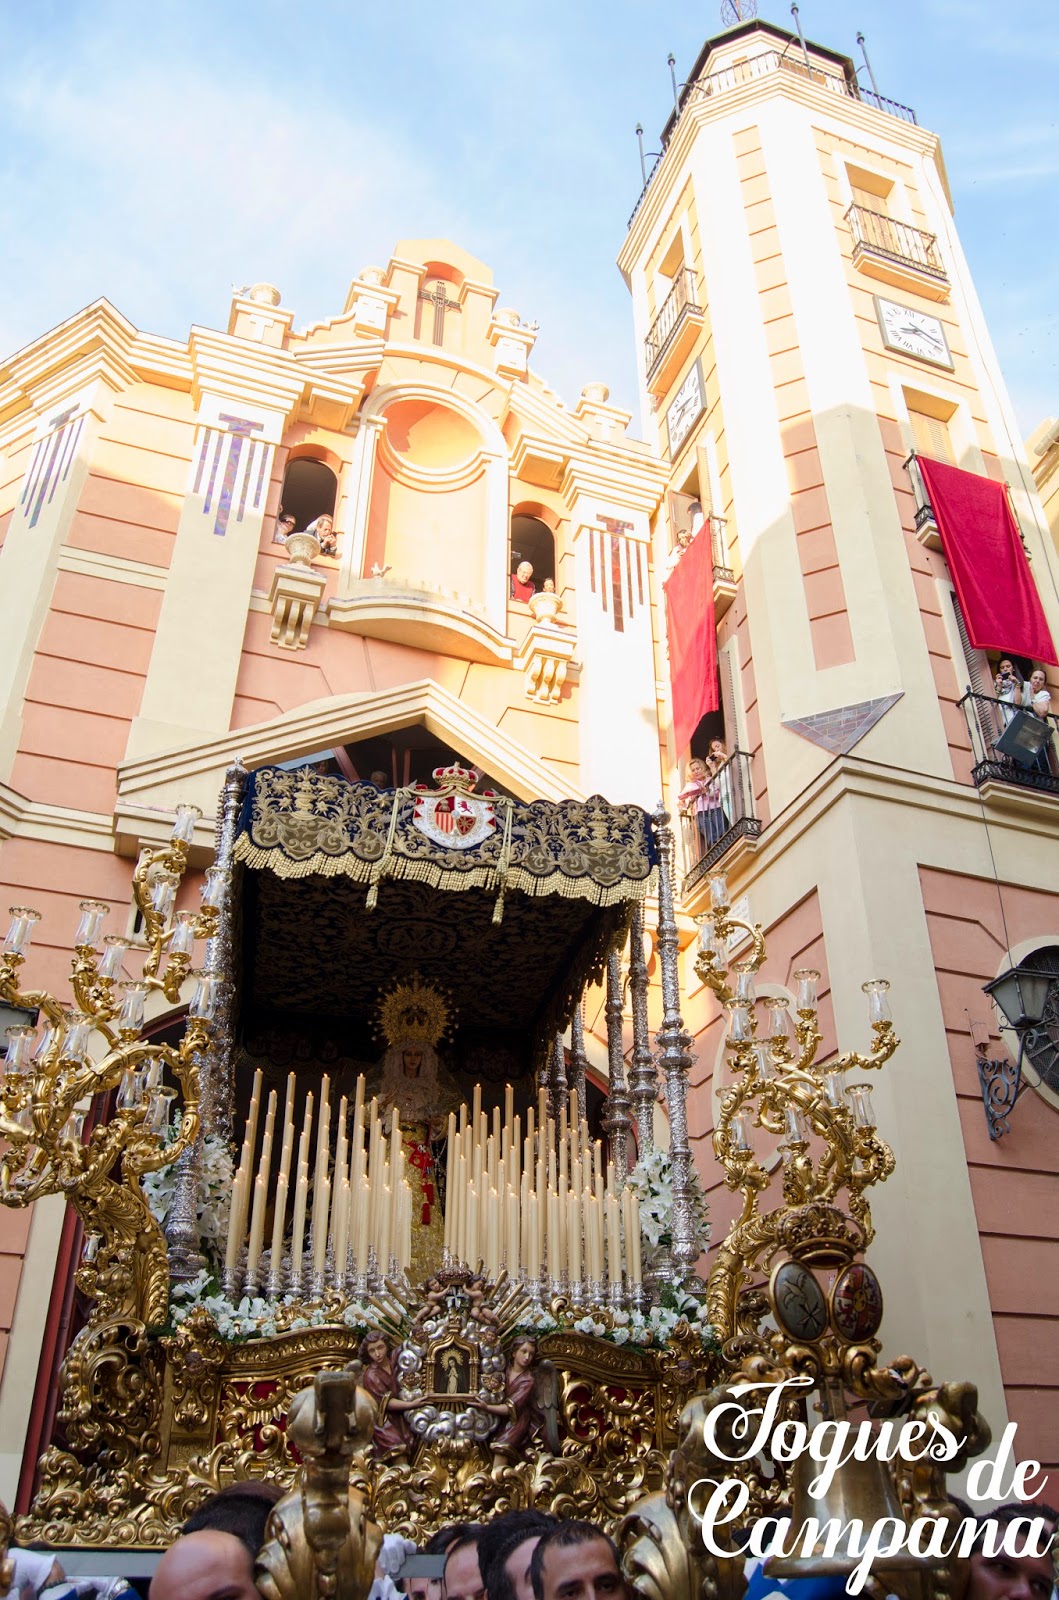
1013,1179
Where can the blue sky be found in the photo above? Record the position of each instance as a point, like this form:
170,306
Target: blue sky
159,153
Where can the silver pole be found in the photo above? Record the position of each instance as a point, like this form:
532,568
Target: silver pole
616,1120
674,1055
579,1061
215,1065
557,1088
643,1080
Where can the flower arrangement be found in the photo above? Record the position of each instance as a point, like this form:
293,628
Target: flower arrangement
214,1196
260,1318
645,1331
652,1181
255,1317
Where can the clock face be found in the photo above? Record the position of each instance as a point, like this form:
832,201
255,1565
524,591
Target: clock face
913,333
686,406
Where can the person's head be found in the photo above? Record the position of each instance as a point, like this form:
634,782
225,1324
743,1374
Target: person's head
717,750
422,1588
374,1349
576,1561
1038,680
379,779
323,525
241,1509
441,1543
463,1577
286,521
696,768
1006,668
207,1565
505,1551
549,585
523,1352
524,571
1004,1577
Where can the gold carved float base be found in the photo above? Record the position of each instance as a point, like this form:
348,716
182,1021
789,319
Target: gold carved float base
154,1425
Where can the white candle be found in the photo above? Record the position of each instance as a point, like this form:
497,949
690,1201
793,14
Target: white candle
613,1240
279,1219
573,1236
321,1205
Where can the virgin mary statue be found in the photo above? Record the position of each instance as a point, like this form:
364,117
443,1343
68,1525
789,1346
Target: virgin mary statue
413,1018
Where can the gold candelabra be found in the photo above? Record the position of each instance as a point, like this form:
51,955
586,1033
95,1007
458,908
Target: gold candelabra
826,1126
57,1068
782,1329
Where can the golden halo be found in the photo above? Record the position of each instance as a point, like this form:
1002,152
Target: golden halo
414,1012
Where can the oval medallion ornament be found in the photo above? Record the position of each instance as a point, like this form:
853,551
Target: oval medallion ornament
856,1303
798,1302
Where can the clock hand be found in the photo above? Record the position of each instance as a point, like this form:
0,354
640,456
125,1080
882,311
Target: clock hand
910,331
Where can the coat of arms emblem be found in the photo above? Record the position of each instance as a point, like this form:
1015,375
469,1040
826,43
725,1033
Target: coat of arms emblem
450,815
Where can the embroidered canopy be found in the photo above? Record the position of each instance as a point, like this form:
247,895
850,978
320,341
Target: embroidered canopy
511,907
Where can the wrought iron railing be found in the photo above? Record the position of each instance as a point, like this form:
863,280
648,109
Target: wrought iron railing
987,721
680,299
712,83
900,241
721,569
724,814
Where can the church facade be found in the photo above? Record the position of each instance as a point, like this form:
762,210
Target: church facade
381,543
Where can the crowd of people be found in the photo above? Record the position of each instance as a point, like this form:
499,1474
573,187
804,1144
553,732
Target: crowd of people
520,1555
525,1555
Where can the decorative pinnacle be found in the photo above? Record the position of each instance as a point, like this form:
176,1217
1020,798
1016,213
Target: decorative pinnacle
733,11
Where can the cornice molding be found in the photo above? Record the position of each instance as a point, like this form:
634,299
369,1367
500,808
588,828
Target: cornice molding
95,343
707,109
150,787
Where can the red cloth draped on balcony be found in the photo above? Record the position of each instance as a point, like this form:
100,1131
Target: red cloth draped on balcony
692,638
980,538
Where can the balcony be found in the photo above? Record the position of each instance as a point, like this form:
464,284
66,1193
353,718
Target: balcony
708,835
896,253
988,720
769,61
926,523
724,584
673,332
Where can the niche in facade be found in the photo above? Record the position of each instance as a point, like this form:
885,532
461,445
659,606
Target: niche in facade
310,490
428,514
532,540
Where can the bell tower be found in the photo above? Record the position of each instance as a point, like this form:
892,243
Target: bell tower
808,332
806,319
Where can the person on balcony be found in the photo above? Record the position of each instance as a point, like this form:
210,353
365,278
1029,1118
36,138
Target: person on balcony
701,798
522,584
1008,689
1036,697
717,758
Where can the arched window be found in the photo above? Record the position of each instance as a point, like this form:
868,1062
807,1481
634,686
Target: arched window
310,490
532,540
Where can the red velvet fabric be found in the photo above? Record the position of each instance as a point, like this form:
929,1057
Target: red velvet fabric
692,639
980,538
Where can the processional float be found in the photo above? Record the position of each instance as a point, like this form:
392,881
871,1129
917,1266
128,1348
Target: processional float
366,1229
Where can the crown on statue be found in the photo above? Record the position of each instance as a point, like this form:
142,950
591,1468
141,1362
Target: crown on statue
414,1012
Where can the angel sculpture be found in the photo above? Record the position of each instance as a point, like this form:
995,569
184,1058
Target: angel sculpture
530,1404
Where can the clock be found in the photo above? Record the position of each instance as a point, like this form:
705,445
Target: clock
685,409
913,333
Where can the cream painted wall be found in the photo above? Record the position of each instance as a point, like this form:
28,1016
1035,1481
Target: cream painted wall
891,654
617,723
29,554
